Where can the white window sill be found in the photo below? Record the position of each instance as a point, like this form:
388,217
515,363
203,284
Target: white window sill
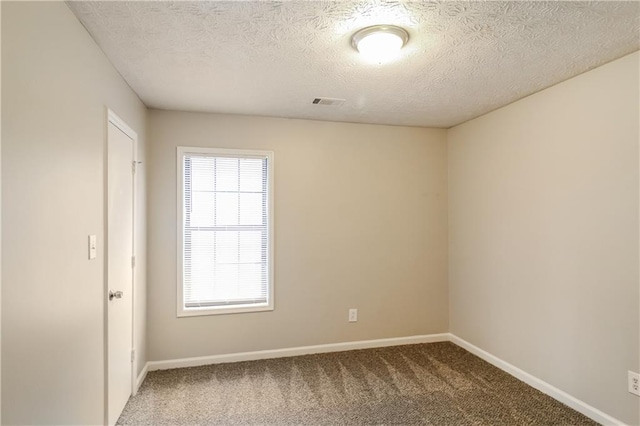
223,310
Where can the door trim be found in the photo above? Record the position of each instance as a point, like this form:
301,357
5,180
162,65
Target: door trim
113,118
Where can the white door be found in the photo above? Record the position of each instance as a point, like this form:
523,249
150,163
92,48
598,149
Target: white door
119,269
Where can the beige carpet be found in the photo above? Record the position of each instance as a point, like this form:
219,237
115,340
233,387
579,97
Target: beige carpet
431,384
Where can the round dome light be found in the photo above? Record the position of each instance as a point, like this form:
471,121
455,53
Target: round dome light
380,43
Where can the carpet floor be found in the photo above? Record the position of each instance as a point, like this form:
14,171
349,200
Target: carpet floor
427,384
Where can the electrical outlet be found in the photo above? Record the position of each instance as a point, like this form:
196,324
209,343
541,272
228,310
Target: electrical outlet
634,383
353,315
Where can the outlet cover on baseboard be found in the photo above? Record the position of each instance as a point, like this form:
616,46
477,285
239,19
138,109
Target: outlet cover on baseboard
634,383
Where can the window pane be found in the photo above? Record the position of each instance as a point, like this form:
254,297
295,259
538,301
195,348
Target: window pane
250,282
251,247
251,170
202,177
226,209
202,204
199,271
226,174
226,247
251,209
226,282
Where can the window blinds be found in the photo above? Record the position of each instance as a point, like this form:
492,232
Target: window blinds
225,230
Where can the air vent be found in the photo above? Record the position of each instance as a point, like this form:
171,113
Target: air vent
328,101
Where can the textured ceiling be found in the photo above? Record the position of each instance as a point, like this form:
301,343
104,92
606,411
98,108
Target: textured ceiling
269,58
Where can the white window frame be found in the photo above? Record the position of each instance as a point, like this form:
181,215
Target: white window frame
233,309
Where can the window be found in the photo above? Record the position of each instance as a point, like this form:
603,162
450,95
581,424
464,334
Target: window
225,231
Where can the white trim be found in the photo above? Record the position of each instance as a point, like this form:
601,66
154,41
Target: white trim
140,379
223,152
544,387
296,351
223,310
113,118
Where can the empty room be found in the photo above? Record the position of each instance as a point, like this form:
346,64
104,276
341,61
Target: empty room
320,212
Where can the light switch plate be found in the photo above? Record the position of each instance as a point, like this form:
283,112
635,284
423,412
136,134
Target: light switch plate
93,247
634,382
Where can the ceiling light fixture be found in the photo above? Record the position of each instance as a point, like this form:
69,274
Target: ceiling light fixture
380,43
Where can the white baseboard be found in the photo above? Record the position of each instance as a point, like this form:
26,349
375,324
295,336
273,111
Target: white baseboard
544,387
296,351
559,395
141,377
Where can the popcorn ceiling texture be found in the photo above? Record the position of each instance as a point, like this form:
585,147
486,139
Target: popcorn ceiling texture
463,59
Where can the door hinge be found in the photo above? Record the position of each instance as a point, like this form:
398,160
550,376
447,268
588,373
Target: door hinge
133,166
133,355
133,261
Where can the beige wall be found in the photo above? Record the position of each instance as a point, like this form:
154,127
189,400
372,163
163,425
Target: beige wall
360,221
543,228
543,235
0,227
56,84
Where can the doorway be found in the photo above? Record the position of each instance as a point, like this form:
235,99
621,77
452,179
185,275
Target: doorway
119,265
